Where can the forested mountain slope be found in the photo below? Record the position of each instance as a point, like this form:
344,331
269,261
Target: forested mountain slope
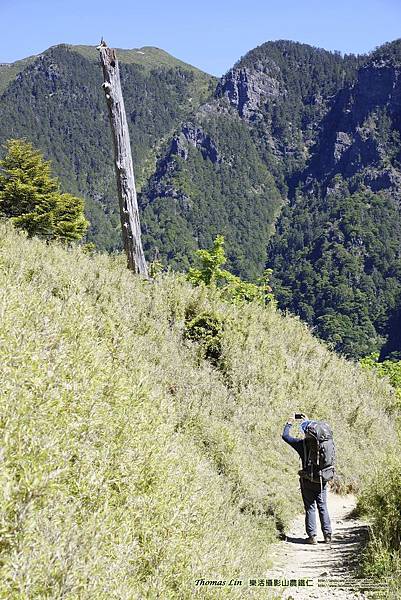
211,181
294,156
56,101
327,129
229,170
8,71
132,466
336,255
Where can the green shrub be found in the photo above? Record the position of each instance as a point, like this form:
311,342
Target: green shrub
32,199
232,288
382,500
391,369
380,561
206,329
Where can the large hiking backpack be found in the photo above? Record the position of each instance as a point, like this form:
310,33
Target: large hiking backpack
319,453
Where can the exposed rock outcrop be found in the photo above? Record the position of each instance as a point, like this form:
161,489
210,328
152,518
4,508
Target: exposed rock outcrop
161,184
196,137
247,89
359,134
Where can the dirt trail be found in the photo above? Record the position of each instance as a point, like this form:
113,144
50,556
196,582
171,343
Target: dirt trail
296,560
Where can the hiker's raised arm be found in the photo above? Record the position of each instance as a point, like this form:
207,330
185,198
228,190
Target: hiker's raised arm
286,433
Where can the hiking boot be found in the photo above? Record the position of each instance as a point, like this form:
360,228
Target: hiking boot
311,539
327,538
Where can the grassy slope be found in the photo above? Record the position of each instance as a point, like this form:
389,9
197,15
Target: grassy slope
147,57
131,466
154,58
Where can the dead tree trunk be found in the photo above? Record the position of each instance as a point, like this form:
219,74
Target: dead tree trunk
129,214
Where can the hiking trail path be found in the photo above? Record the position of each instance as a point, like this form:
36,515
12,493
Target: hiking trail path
293,559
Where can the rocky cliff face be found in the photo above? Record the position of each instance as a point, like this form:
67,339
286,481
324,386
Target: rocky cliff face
161,184
275,99
360,136
336,254
249,91
196,137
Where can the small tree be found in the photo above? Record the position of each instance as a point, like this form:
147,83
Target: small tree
233,288
32,199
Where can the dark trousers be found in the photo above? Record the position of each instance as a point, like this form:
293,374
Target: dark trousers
313,494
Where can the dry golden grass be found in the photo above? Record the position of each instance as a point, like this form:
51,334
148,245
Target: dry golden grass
131,466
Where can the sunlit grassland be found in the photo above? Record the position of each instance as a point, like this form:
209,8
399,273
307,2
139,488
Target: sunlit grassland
130,465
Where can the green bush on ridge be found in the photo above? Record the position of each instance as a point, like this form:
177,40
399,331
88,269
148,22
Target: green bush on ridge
207,327
130,465
31,198
231,287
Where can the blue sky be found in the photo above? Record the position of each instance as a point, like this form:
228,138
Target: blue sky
210,34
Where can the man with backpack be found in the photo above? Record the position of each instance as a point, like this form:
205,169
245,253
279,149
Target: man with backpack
317,453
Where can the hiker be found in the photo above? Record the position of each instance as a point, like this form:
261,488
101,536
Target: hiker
314,475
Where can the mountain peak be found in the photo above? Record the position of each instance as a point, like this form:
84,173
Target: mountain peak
387,53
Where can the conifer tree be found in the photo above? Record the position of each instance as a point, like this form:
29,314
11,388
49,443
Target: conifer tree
32,199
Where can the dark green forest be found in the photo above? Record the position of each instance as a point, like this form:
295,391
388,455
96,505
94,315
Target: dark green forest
201,196
57,103
338,266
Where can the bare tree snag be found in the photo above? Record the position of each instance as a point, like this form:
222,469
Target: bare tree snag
129,214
